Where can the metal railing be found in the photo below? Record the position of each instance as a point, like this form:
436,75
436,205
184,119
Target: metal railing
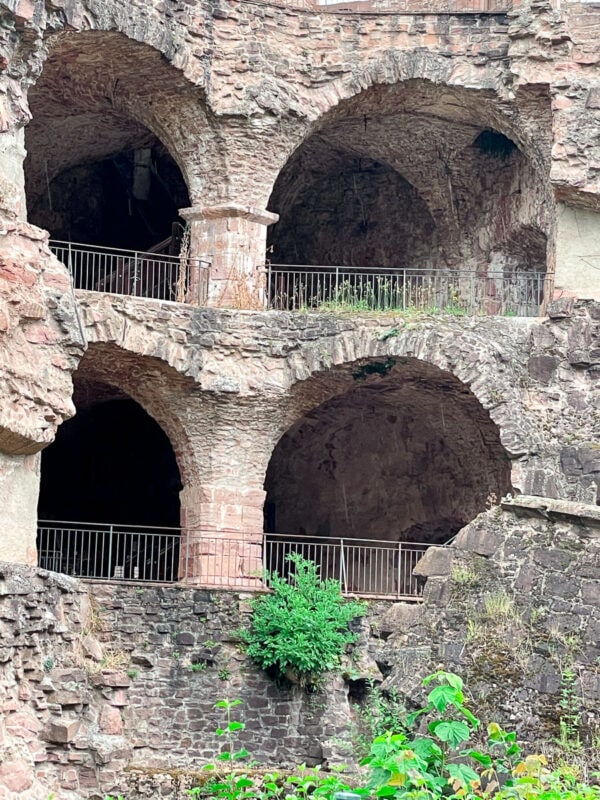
365,567
109,552
323,288
227,559
131,272
397,6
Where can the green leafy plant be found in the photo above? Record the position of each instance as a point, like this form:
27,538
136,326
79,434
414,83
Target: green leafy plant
231,785
441,762
569,723
380,712
438,761
229,753
300,630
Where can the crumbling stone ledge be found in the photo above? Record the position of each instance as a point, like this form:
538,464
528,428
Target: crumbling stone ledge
551,509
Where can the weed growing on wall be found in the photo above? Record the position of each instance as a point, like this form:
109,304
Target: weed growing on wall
300,630
434,758
380,712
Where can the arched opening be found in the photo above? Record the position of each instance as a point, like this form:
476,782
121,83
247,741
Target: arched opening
98,172
408,191
109,493
407,454
128,200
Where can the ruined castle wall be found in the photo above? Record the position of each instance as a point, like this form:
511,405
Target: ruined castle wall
111,688
535,378
240,86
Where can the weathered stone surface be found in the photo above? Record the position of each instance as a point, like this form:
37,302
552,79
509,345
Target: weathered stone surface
549,508
92,648
61,731
398,617
110,721
436,561
543,570
233,91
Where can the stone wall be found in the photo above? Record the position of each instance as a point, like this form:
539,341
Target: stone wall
512,607
242,85
254,101
95,679
60,714
261,374
112,687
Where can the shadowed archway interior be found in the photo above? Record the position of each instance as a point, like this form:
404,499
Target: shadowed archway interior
413,175
407,453
99,170
111,463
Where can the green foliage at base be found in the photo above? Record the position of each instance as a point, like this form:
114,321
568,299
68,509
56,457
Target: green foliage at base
435,758
301,630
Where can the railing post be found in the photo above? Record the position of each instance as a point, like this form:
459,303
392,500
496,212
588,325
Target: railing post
186,560
135,273
342,565
69,262
268,289
404,289
110,544
399,578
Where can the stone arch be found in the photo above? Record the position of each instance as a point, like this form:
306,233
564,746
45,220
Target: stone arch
472,355
101,93
485,102
524,248
404,418
116,471
406,453
410,115
151,383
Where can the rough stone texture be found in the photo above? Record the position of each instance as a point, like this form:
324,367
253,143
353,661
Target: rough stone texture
71,725
411,457
513,599
511,655
40,341
280,367
255,102
60,722
40,344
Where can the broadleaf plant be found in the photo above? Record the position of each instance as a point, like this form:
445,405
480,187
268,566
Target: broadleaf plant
300,630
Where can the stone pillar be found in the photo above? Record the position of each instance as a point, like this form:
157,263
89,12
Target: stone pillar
233,239
12,187
577,253
19,488
221,536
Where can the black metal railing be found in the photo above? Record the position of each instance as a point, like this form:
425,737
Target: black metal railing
225,559
324,288
135,273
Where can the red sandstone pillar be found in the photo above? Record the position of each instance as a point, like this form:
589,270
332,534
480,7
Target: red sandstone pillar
233,239
221,536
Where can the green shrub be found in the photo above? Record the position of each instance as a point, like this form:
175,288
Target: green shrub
441,762
301,630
